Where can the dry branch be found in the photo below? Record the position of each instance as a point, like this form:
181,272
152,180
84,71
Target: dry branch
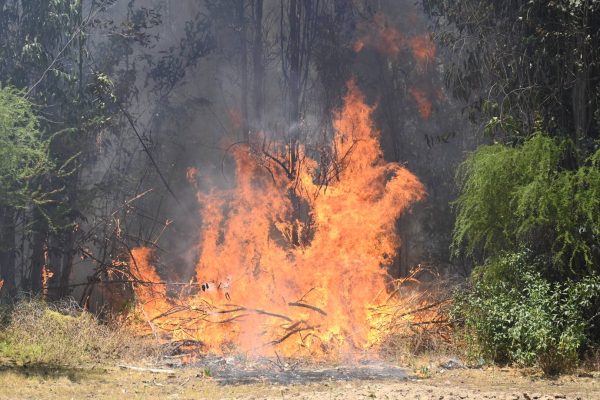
287,335
314,308
261,312
421,309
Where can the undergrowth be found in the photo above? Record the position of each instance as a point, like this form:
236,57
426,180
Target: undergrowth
512,314
529,216
37,333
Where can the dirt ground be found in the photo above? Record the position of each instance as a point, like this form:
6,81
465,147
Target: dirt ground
188,383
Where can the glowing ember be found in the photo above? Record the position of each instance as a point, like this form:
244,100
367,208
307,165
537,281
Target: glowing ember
46,275
358,45
272,278
191,174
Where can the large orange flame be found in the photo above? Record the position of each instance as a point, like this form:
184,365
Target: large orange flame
272,276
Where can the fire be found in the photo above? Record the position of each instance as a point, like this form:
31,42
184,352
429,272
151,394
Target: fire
423,49
422,101
46,275
359,45
381,36
191,175
291,264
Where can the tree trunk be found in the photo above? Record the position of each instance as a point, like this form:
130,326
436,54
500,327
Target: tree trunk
67,265
257,58
294,82
244,70
7,249
38,253
580,92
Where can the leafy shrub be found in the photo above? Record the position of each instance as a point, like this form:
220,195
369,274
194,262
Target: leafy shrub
512,314
37,333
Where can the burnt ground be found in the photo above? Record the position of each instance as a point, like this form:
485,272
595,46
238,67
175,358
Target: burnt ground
218,379
240,370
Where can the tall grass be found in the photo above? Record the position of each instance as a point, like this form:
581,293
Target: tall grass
33,332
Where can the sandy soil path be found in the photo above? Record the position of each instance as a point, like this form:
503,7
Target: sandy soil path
115,383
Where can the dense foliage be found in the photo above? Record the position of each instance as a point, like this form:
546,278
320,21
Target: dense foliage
529,209
521,63
536,229
514,314
48,54
520,197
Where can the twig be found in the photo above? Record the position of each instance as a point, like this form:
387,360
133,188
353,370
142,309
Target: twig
224,321
287,335
305,294
148,153
437,321
314,308
259,311
425,308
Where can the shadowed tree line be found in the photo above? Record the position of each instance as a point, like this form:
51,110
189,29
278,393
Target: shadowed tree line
528,213
105,89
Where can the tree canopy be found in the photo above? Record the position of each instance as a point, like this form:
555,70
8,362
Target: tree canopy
23,149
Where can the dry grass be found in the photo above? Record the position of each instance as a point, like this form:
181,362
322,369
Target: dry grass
36,333
191,383
415,323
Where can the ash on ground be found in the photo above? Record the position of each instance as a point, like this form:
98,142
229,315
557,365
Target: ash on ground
240,370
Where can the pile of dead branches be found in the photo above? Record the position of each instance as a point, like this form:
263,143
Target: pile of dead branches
414,315
412,312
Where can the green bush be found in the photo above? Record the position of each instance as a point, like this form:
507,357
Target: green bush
512,314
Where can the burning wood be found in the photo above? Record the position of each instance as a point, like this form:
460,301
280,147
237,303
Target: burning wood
317,309
417,312
258,252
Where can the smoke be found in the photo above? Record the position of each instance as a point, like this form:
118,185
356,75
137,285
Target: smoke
196,123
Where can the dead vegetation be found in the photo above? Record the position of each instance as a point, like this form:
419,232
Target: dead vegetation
408,319
413,320
36,333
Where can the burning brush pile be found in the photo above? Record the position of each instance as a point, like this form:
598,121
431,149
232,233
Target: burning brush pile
272,281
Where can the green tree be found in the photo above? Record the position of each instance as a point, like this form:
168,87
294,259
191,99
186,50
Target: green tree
523,63
23,160
529,209
520,197
47,53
